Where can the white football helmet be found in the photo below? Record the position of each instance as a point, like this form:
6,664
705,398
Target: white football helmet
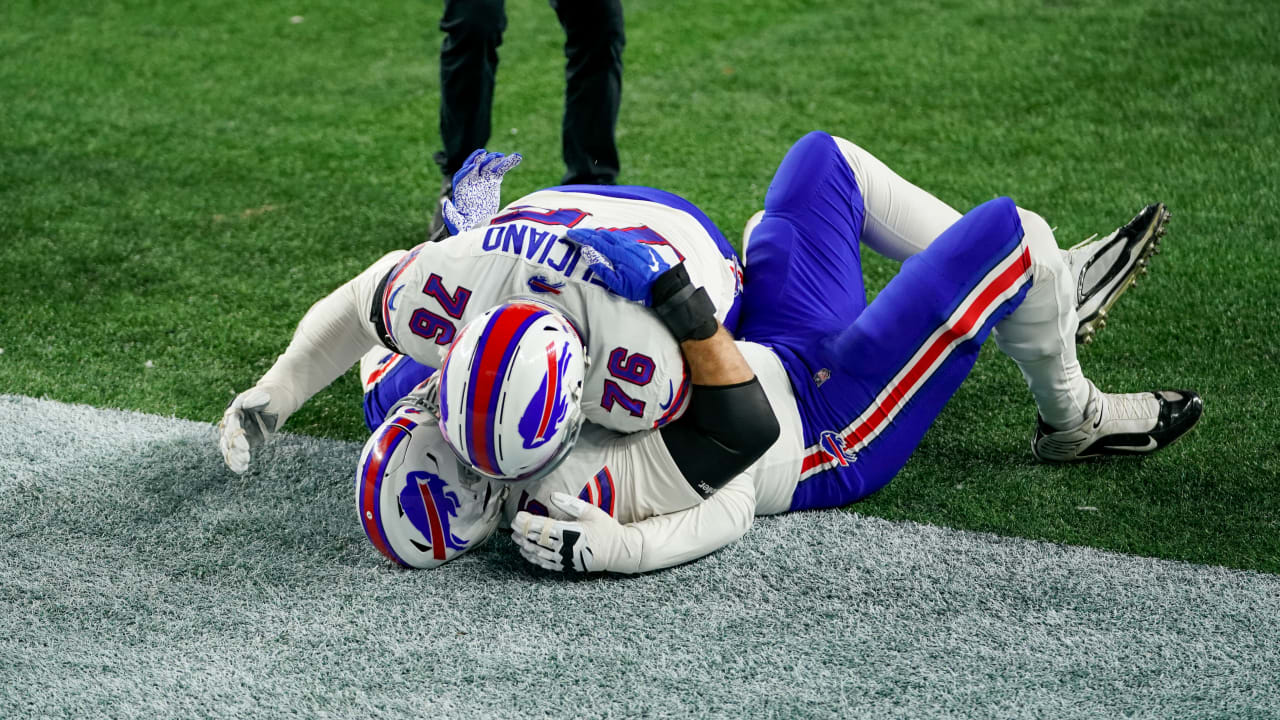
511,390
418,505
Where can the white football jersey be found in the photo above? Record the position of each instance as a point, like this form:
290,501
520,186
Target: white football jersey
633,477
637,378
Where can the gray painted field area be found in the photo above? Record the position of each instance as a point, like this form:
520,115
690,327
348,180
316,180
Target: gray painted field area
140,578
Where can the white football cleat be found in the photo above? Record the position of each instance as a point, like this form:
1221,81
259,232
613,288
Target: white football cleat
1115,424
1105,268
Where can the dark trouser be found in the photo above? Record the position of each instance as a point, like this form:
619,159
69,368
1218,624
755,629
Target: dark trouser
594,40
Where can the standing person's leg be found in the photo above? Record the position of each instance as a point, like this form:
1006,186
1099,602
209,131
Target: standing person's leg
468,68
594,40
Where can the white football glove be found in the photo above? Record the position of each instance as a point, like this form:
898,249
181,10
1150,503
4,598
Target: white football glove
248,422
477,190
590,541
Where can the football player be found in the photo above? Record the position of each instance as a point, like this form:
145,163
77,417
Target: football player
536,341
854,384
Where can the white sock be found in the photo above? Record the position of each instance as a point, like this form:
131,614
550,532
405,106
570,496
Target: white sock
1040,335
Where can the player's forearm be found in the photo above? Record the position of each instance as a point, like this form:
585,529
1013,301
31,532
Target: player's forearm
716,360
668,540
329,339
729,422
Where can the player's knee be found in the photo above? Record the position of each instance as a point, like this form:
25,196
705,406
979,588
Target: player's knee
1046,256
811,157
819,139
998,216
992,230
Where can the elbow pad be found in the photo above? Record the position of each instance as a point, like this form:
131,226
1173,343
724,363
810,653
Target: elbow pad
724,430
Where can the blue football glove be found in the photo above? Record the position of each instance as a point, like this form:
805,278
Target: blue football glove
477,190
627,267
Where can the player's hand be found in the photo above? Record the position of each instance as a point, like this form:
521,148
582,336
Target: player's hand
583,543
477,189
248,422
626,266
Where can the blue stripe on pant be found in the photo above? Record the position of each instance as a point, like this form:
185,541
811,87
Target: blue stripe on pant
869,379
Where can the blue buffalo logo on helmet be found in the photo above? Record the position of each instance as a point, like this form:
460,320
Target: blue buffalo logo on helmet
549,405
430,507
837,447
511,390
417,505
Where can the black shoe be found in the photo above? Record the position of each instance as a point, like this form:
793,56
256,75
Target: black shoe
1130,424
437,230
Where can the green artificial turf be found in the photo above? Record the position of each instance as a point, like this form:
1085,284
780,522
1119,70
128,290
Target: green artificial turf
179,181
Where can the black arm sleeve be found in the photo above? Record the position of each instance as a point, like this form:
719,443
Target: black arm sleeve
687,311
375,314
724,430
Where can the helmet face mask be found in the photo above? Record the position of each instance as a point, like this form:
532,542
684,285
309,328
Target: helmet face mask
511,391
419,507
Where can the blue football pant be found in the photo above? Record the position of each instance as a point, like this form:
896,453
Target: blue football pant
869,379
387,377
901,220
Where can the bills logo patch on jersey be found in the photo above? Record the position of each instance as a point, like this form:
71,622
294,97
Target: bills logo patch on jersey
837,448
550,403
540,284
430,508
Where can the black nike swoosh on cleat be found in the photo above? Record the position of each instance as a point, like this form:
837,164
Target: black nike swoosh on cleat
1123,444
1150,445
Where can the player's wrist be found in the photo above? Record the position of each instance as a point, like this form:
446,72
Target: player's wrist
284,399
685,310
